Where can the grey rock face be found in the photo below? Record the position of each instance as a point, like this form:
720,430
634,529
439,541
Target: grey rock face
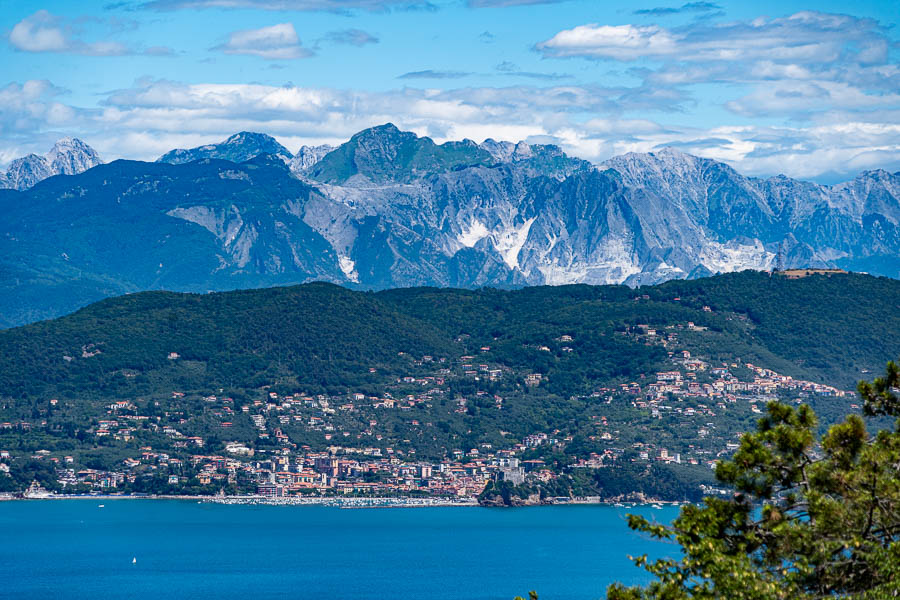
537,216
26,171
307,156
69,156
390,209
238,148
501,151
738,222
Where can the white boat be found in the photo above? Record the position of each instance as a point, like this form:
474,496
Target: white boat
134,560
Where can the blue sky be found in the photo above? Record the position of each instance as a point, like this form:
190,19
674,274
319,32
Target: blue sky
808,89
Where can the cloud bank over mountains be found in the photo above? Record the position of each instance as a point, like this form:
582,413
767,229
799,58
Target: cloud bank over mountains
154,115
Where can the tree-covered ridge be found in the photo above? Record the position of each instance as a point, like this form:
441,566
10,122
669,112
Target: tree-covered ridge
324,337
815,327
820,323
318,335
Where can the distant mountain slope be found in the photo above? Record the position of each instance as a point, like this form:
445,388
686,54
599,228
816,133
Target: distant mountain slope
238,148
391,209
385,154
69,156
321,336
847,224
129,226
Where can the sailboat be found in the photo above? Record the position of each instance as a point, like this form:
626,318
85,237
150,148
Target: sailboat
134,560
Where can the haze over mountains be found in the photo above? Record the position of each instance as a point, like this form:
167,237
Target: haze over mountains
391,209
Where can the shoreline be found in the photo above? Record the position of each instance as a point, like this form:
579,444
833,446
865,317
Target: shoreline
348,503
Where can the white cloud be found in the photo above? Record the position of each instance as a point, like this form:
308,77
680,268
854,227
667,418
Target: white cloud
46,32
27,112
802,98
805,37
277,42
38,33
154,116
338,6
350,37
31,106
618,42
797,66
507,3
433,74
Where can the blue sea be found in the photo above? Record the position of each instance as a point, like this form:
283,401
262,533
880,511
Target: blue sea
76,549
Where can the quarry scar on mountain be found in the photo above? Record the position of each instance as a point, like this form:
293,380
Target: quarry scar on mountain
391,209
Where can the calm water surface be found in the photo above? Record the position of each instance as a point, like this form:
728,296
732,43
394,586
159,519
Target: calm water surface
75,549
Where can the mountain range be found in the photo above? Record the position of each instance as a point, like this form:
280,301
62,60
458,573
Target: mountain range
391,209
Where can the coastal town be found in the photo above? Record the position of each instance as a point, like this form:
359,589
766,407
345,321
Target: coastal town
279,446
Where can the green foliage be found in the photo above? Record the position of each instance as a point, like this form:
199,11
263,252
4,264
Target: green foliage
22,473
880,396
324,339
820,325
805,522
653,480
319,336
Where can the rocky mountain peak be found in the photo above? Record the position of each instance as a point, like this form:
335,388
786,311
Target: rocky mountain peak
250,137
678,169
384,130
501,151
523,151
26,171
70,156
385,154
307,156
240,147
383,142
671,151
389,208
872,192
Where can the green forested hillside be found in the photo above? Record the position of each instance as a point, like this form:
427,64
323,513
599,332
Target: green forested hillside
834,327
573,376
321,337
825,328
317,336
